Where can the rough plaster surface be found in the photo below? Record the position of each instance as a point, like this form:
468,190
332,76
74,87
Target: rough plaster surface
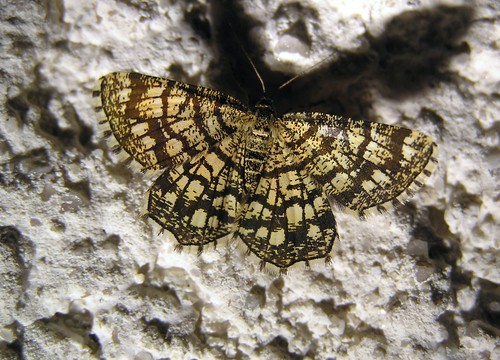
83,277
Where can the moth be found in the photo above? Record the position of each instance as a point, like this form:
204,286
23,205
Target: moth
228,170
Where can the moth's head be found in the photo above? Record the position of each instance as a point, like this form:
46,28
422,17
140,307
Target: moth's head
265,108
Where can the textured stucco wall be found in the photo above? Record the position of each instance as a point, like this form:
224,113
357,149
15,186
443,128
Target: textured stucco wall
84,277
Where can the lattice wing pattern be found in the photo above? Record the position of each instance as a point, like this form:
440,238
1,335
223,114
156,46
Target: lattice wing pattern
362,165
287,219
162,123
199,201
231,170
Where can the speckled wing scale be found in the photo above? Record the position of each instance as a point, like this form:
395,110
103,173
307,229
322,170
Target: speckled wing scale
229,170
287,218
162,123
363,166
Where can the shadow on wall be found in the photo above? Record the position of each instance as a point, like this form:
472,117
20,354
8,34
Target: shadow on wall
411,54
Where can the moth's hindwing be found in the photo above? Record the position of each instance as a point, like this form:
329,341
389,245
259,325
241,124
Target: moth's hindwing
287,219
199,201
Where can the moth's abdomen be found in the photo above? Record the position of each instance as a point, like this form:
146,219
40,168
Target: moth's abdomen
257,146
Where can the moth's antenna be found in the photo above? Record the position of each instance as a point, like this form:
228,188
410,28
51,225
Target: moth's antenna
254,69
249,60
306,71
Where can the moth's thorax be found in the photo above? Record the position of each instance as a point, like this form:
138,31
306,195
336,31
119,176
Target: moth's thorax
264,109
